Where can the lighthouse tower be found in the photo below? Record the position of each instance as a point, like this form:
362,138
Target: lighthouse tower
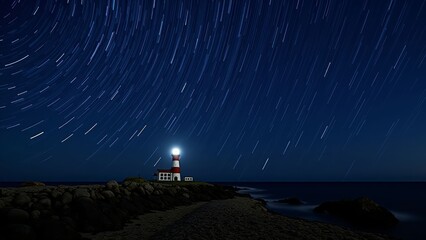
175,164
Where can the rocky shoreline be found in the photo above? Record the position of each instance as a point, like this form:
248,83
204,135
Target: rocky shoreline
137,209
61,212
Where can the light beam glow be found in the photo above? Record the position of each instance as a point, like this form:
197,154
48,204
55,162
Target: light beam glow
175,151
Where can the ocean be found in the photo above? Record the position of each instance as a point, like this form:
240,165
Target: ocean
406,200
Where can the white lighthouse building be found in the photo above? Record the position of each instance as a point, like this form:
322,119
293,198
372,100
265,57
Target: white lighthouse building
172,174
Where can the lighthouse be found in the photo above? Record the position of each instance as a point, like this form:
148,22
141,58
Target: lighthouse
171,174
175,164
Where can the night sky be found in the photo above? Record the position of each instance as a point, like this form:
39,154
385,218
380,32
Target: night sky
249,90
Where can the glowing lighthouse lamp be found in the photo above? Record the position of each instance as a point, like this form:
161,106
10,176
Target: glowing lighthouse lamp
176,151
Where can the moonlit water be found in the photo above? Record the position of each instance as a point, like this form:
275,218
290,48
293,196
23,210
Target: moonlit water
405,200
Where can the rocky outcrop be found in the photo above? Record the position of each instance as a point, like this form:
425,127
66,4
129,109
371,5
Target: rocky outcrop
32,184
60,212
361,211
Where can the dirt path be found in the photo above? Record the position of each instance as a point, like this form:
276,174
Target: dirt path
237,218
244,218
145,226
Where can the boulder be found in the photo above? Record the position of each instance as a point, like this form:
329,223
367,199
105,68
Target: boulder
22,200
45,202
132,185
172,191
185,195
35,214
16,215
100,196
108,194
142,190
55,194
126,192
93,194
291,201
148,188
157,192
66,198
362,211
112,184
81,192
18,232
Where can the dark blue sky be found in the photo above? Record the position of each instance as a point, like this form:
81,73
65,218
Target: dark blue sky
249,90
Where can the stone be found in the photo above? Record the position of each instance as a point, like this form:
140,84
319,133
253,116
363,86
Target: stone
45,202
93,194
361,211
142,190
22,199
81,192
126,183
132,185
35,214
112,184
66,198
55,194
42,195
108,194
126,192
18,232
185,195
172,191
99,196
148,188
47,190
16,215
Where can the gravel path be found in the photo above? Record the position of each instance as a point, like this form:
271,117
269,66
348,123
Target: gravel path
237,218
243,218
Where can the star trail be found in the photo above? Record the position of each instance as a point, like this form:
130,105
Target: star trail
249,90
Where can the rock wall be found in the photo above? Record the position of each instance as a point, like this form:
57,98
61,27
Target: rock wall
60,212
